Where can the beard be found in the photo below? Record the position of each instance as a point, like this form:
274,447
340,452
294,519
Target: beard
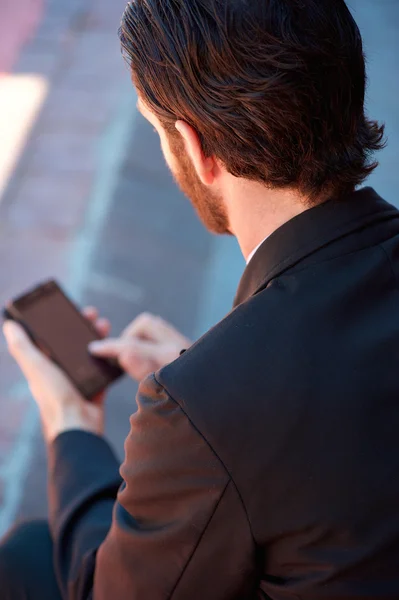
208,206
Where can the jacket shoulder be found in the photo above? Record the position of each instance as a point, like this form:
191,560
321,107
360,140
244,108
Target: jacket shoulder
267,363
233,360
236,348
220,350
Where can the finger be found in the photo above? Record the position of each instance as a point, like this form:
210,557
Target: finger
147,327
139,326
103,326
118,347
139,358
90,313
109,348
138,368
29,358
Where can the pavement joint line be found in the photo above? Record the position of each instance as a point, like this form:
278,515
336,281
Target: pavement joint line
112,151
114,144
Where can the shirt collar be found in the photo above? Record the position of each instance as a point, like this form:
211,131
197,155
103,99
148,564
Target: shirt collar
306,233
254,251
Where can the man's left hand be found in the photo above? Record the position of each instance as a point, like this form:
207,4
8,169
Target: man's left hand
62,407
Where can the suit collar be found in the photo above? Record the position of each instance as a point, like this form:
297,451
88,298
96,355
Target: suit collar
308,232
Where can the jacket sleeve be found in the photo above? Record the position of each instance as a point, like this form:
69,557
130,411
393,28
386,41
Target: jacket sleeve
179,529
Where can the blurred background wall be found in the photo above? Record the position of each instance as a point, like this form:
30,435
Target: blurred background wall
85,196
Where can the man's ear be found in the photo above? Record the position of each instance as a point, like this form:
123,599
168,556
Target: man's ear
204,166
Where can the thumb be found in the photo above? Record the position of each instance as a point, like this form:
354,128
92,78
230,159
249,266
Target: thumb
21,348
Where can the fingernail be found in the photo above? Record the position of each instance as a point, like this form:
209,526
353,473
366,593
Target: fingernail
94,346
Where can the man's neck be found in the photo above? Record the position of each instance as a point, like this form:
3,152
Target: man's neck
255,212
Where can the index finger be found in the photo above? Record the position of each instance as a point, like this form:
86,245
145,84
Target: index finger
147,327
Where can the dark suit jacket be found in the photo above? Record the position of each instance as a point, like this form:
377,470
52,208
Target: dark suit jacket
264,462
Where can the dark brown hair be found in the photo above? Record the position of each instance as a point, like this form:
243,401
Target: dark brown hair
275,88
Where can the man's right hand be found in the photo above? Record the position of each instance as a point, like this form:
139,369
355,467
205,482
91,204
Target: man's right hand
146,345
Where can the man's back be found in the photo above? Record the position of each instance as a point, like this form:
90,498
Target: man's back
260,463
296,392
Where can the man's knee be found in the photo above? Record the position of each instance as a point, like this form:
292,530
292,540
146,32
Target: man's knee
25,559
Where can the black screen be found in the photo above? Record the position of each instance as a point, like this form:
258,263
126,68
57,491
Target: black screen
56,323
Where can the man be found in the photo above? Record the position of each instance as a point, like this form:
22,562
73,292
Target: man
262,462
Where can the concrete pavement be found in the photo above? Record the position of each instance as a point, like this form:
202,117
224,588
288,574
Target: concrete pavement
91,202
18,23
